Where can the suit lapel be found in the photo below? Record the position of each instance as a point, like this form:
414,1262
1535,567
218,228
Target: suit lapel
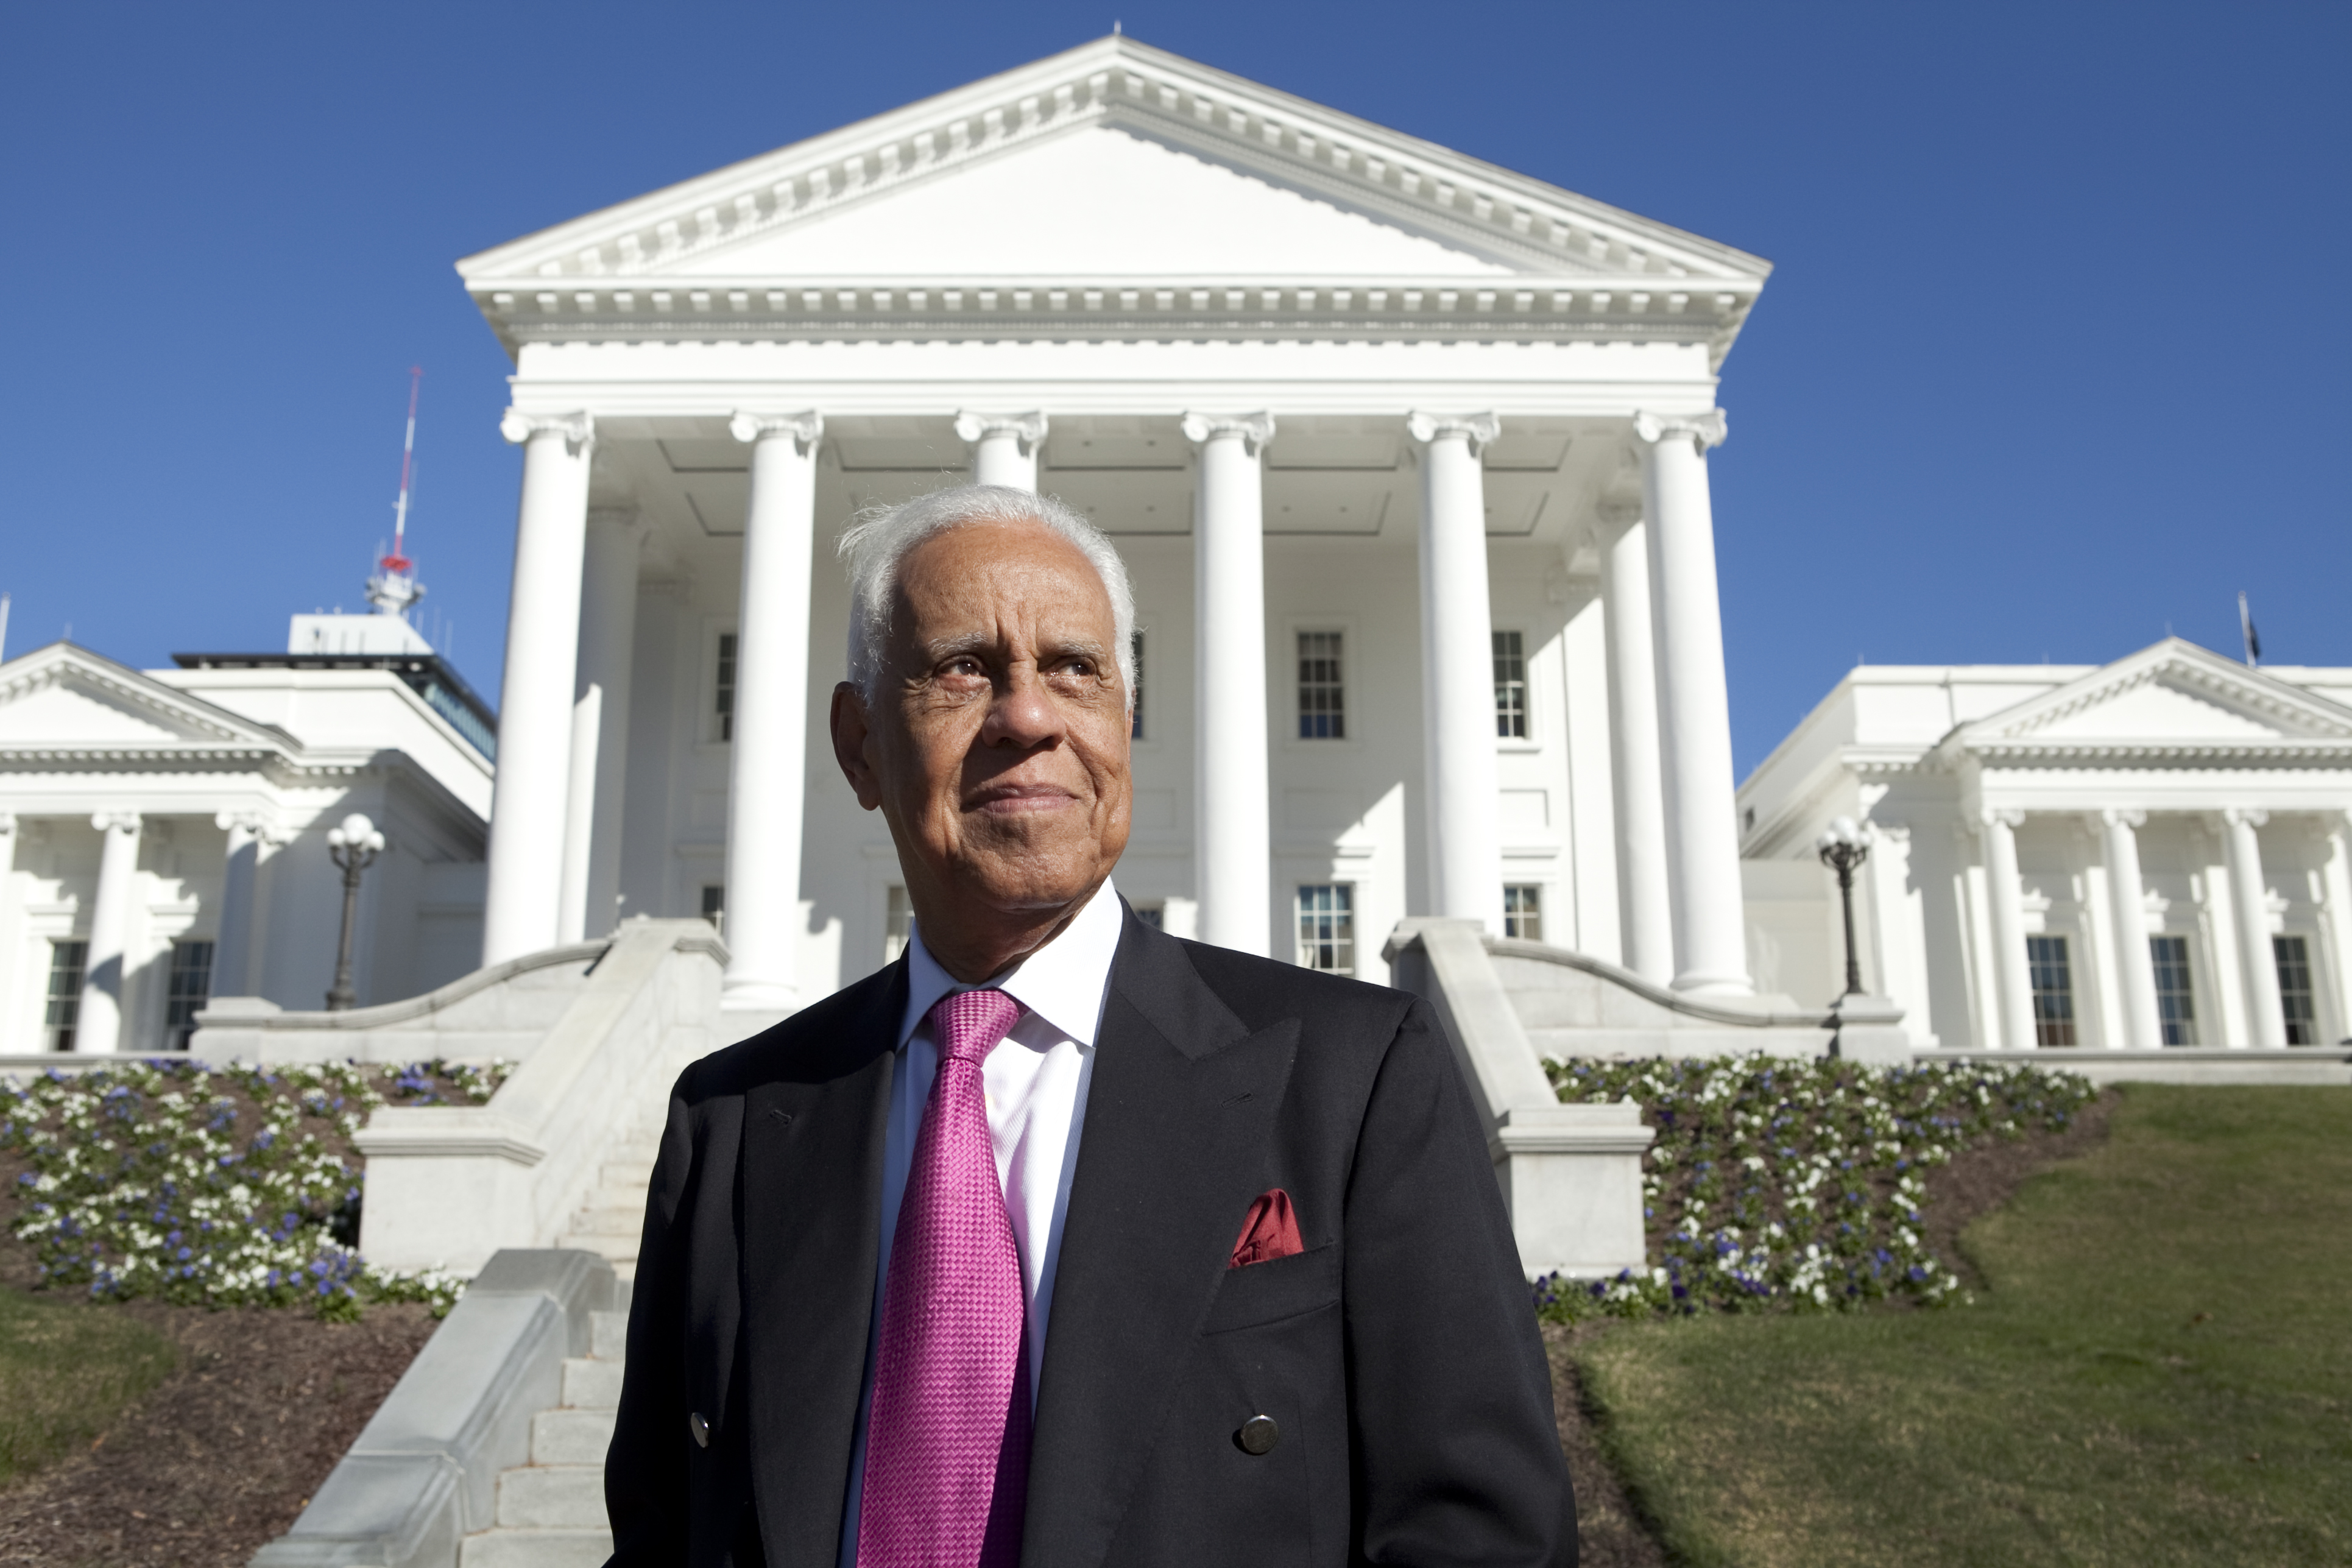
1182,1102
812,1201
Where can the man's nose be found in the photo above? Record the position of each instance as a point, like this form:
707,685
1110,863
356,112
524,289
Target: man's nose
1024,714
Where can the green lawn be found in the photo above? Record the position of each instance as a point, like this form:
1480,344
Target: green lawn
66,1368
2160,1372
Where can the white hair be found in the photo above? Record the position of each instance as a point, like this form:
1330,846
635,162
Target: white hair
881,537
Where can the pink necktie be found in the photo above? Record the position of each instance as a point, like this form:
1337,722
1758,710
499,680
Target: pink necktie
947,1445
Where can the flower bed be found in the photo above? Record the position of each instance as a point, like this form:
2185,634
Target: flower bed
1795,1185
218,1186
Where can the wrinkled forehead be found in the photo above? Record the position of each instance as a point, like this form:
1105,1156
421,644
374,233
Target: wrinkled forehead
1008,578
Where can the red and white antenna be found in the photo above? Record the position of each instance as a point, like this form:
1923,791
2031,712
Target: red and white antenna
394,586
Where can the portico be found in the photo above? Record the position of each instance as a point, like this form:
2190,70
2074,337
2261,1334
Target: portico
1372,423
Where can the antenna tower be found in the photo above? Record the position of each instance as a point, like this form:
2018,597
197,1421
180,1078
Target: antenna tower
394,586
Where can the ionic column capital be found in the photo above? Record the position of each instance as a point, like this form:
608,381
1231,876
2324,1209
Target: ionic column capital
115,821
1029,428
1704,430
1618,514
578,430
261,825
2008,816
2244,815
2124,816
1477,429
1254,429
805,428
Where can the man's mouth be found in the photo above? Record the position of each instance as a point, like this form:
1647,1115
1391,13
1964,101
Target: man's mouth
1017,800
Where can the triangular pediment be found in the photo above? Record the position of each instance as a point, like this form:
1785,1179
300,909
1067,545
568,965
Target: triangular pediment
2173,696
68,698
1113,159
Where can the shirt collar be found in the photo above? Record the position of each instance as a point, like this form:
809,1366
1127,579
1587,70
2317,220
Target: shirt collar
1063,981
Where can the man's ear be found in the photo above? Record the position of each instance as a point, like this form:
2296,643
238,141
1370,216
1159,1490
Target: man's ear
850,734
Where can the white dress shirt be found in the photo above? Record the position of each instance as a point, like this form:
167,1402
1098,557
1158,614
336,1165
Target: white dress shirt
1035,1081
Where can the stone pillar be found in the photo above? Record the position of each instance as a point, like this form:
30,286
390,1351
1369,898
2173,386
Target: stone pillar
527,807
1644,907
1694,710
233,932
768,771
2336,914
600,727
1005,448
2136,968
1232,838
2005,895
1457,671
103,993
2257,962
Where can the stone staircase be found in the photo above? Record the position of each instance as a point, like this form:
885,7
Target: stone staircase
612,1219
550,1511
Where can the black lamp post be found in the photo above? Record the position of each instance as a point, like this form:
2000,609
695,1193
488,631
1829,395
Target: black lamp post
1844,846
353,847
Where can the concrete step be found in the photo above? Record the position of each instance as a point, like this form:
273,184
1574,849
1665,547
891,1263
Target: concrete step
552,1497
626,1173
611,1216
609,1335
537,1549
591,1384
615,1249
571,1436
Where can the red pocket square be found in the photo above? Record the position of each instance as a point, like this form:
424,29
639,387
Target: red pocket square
1271,1231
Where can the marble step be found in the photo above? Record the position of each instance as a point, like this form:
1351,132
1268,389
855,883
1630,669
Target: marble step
571,1436
609,1335
616,1215
552,1497
537,1549
615,1249
590,1384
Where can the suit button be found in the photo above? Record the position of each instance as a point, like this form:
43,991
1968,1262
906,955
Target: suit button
1258,1435
700,1428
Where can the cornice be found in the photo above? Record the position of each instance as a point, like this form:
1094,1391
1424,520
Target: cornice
69,665
2064,754
2179,664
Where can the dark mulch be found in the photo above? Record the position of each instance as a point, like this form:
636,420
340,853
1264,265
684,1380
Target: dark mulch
1612,1529
220,1457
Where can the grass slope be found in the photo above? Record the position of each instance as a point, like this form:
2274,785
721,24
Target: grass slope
2160,1372
66,1370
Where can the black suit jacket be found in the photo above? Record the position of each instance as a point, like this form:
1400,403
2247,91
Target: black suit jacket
1397,1352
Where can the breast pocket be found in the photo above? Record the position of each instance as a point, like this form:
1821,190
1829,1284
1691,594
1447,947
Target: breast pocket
1262,1293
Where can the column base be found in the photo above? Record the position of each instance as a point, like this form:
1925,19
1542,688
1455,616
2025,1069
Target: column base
1699,985
750,992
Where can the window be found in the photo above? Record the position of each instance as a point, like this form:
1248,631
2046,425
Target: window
714,905
1153,915
2176,1001
191,988
1322,690
897,924
1135,719
2053,990
66,962
1510,687
1523,911
1327,928
723,703
2294,954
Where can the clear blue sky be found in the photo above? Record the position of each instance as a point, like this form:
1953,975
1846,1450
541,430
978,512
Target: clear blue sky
2051,360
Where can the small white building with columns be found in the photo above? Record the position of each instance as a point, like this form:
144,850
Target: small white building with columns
2152,853
1407,454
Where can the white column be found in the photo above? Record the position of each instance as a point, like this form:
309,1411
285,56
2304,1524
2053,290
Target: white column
2336,915
233,932
527,807
768,772
103,993
1457,671
1233,872
1005,448
1643,903
2005,895
1694,710
2143,1029
600,727
2257,962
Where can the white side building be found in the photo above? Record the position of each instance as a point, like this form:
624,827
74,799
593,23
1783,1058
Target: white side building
2148,853
162,832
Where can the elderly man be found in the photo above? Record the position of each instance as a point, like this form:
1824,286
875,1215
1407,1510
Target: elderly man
1060,1241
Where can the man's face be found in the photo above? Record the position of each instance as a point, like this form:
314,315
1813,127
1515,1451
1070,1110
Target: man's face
996,743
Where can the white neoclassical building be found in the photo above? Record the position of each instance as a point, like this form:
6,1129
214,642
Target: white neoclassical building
163,832
2148,853
1407,453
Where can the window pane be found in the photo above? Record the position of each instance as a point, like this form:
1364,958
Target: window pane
725,702
1135,724
191,988
2176,1001
1327,928
1322,688
1153,915
1523,911
1510,687
897,925
2296,998
64,1013
714,905
2053,990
